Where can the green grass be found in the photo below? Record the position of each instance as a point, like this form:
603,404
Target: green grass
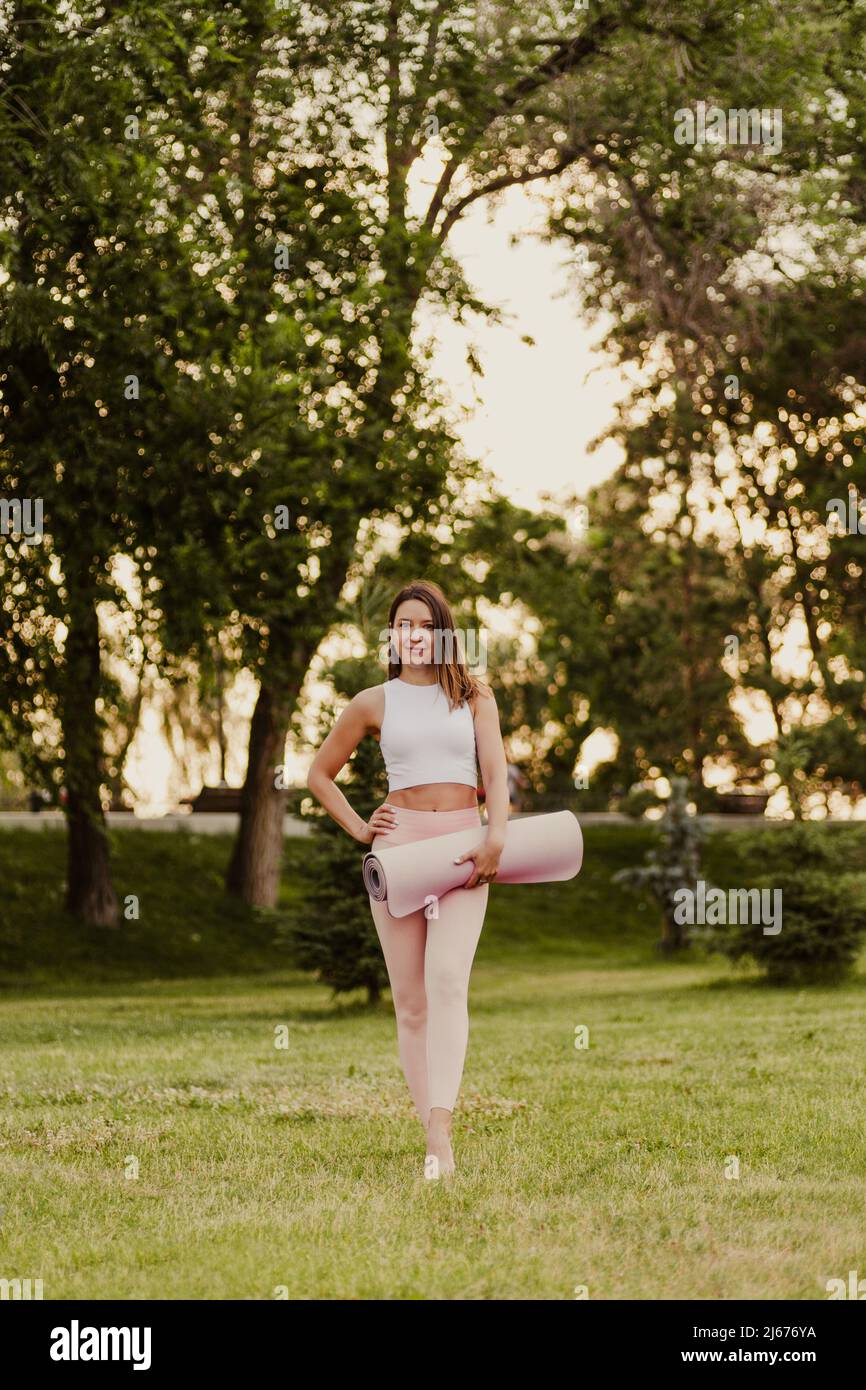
260,1168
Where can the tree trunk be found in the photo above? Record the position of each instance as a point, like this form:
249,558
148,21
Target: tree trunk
89,891
674,937
254,870
90,894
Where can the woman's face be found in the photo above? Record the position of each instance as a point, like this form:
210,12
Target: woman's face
412,633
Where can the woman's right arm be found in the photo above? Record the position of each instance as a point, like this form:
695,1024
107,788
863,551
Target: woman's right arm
356,720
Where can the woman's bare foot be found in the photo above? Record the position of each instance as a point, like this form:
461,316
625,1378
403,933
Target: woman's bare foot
439,1159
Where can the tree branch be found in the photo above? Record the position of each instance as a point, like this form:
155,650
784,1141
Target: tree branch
506,181
569,57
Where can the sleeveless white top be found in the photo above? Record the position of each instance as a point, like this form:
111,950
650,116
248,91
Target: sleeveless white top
423,740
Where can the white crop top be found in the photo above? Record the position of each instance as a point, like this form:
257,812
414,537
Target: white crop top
423,740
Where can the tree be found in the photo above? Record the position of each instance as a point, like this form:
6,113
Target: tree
731,276
90,323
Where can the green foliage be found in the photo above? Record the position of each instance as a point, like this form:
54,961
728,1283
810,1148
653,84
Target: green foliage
749,414
637,800
98,421
821,873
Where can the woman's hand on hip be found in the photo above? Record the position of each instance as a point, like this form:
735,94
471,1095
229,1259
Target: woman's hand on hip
486,858
383,819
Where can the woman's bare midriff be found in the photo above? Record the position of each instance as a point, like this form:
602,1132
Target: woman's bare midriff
434,796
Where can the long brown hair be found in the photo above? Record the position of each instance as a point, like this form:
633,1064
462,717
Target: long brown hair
452,673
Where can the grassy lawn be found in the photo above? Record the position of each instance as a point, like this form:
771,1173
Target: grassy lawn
155,1143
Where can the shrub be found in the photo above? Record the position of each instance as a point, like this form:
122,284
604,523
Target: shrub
823,902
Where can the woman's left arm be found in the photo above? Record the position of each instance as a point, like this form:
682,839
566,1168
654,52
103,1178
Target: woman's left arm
494,775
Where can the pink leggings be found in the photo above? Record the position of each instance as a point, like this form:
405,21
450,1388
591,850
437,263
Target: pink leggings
428,962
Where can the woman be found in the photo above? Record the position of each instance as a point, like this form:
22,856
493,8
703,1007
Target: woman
432,720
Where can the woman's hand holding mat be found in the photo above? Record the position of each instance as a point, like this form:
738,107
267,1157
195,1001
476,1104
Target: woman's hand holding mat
486,858
538,849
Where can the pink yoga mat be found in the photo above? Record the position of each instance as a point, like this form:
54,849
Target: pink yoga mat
538,849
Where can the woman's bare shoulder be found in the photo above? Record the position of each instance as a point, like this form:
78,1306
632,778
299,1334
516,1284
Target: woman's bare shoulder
483,692
371,695
370,704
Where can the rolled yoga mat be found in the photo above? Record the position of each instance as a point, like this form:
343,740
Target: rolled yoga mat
538,849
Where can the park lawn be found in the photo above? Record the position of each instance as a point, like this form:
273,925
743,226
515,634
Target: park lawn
156,1143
